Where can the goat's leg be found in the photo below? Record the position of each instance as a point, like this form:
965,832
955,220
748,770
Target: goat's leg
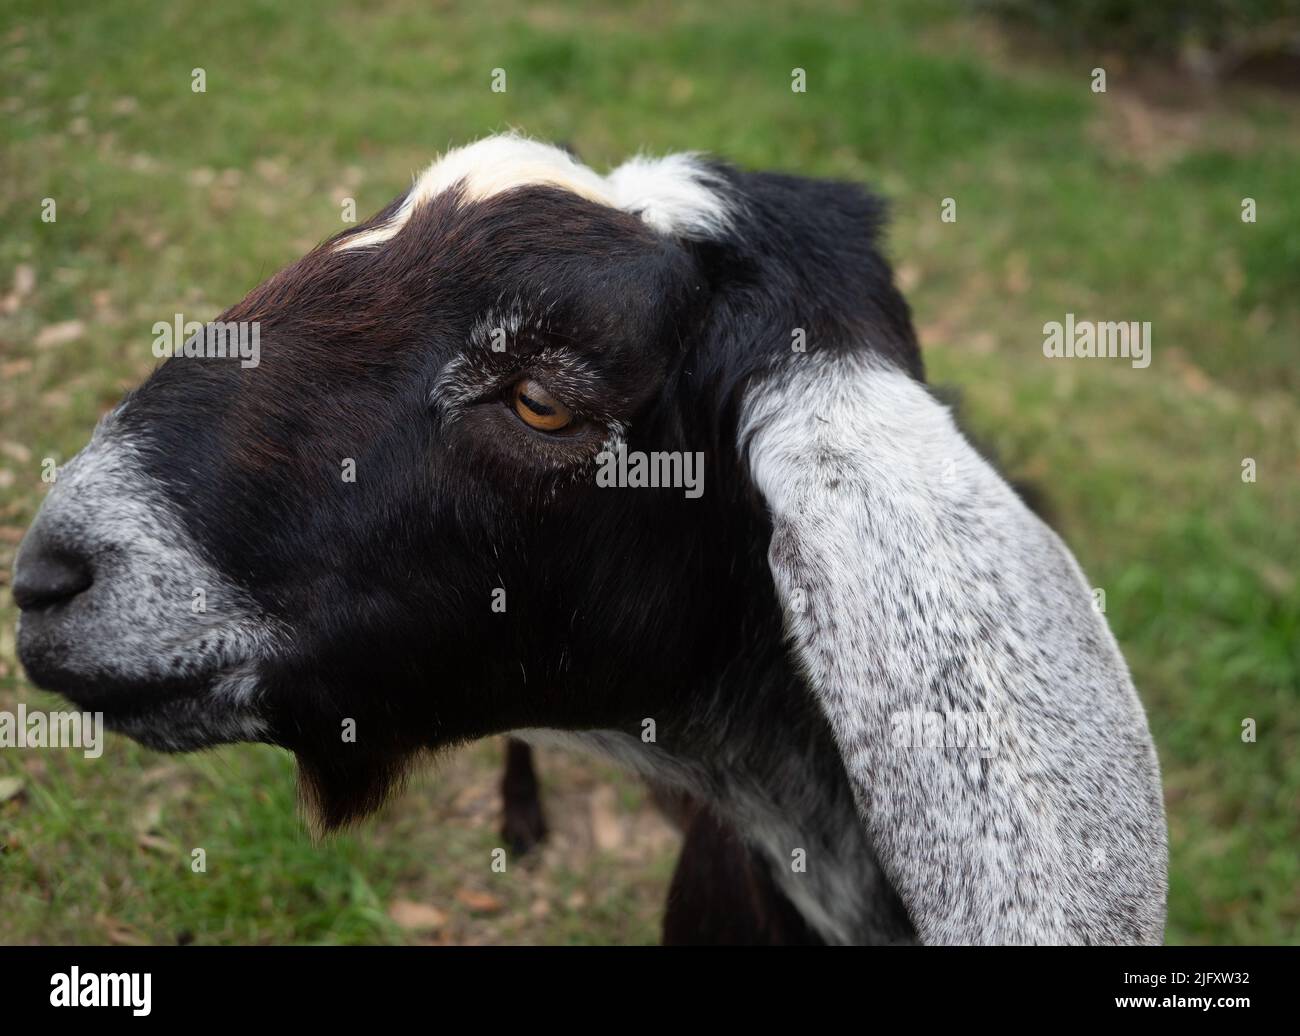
523,823
721,894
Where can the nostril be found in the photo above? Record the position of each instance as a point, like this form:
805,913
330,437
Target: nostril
44,577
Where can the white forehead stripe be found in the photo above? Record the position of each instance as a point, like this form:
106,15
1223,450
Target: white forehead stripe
676,194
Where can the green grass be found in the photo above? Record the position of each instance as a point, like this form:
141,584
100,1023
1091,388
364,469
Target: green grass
1104,205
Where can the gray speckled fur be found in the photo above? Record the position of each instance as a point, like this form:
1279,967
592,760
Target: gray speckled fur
928,584
776,779
139,625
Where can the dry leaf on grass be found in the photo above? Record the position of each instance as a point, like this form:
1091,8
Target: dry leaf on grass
480,902
16,451
606,828
148,817
119,933
416,917
24,282
11,787
59,334
157,844
576,901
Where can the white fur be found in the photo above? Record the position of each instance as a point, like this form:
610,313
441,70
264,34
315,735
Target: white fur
675,195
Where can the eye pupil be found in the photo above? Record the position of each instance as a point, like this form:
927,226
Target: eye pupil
538,409
534,406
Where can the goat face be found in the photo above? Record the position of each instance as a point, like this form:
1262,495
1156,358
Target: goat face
391,535
391,524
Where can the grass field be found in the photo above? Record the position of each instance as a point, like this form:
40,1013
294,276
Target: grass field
1117,206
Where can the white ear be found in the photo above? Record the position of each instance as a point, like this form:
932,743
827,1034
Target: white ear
998,753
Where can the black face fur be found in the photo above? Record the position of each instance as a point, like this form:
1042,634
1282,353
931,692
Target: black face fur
620,604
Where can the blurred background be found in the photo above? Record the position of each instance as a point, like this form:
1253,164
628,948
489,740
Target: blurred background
1122,205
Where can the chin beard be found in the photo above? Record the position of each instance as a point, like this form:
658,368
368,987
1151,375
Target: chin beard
347,783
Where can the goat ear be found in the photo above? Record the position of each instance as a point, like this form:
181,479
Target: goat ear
999,757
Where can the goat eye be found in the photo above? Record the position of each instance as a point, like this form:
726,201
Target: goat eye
538,409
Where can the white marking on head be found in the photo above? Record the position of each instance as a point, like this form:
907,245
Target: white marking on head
676,194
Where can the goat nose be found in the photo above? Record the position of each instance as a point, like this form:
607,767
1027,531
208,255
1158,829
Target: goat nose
44,575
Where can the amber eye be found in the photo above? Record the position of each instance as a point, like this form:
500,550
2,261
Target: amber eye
539,409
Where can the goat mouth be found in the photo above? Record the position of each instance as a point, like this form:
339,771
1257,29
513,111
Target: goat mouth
123,698
100,663
202,708
172,716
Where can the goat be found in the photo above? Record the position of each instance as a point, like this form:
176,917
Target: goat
881,673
